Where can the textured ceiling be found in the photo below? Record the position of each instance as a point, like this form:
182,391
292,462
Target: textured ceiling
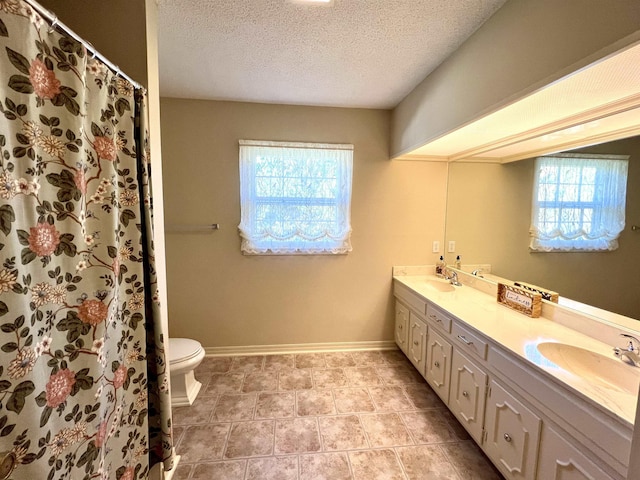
352,53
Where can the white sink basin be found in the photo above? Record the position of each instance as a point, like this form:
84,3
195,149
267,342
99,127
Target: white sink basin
607,372
440,285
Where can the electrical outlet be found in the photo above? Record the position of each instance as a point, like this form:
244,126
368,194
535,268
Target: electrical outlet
452,246
436,246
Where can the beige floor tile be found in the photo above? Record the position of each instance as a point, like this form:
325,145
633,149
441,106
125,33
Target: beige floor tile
182,472
214,365
310,360
363,377
426,462
339,359
298,435
201,443
329,378
227,470
275,405
343,432
314,402
385,430
422,396
247,364
325,466
399,375
260,382
376,465
390,399
273,468
295,379
177,433
367,358
249,439
394,357
199,412
352,400
429,426
278,362
224,383
470,462
233,407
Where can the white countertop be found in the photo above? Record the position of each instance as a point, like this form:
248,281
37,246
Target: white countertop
520,335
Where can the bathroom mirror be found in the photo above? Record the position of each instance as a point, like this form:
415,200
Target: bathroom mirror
489,214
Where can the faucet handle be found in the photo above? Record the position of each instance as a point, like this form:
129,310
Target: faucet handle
631,339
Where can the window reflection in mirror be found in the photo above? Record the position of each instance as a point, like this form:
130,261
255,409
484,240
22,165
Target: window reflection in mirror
489,217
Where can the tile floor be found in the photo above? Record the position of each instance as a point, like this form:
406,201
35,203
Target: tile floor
321,416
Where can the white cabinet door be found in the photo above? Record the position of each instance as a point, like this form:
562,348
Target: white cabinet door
417,342
402,326
512,435
468,394
438,365
560,460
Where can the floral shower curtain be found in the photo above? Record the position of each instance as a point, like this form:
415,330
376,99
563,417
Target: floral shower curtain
83,379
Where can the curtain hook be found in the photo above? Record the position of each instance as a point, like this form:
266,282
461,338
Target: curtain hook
53,25
92,50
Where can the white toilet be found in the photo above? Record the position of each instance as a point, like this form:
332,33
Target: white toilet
184,356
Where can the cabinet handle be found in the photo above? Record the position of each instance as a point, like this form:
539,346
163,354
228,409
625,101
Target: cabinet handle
464,340
399,327
416,342
507,437
466,394
437,364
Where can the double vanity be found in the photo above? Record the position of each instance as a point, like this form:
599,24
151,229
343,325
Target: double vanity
545,398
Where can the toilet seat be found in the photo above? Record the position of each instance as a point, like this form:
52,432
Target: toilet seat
183,349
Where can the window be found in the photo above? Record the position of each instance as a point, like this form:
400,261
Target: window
578,202
295,198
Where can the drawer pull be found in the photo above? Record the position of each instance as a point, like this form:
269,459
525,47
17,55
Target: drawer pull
463,339
507,437
436,364
432,316
465,394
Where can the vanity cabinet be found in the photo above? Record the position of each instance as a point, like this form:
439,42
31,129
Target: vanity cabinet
559,458
532,427
438,365
468,393
512,434
402,326
417,342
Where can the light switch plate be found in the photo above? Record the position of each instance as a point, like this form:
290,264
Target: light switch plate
436,246
452,246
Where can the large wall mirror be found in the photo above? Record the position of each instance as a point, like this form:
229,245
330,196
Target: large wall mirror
489,215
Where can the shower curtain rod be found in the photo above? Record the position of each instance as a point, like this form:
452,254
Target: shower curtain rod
52,18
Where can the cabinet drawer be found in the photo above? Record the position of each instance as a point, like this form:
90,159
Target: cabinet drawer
438,319
409,298
469,341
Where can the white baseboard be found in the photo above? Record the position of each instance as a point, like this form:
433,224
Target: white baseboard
300,348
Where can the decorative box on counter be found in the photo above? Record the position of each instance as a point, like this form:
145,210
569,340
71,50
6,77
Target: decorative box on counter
546,294
520,299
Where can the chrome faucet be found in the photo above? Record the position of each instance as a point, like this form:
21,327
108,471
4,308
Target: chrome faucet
629,354
477,272
452,277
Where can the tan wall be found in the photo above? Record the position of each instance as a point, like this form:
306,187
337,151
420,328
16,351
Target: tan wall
524,46
223,298
117,28
489,213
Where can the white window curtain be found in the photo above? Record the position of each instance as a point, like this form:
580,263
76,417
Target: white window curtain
295,198
578,202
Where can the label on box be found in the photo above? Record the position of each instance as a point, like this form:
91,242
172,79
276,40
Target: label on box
523,300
